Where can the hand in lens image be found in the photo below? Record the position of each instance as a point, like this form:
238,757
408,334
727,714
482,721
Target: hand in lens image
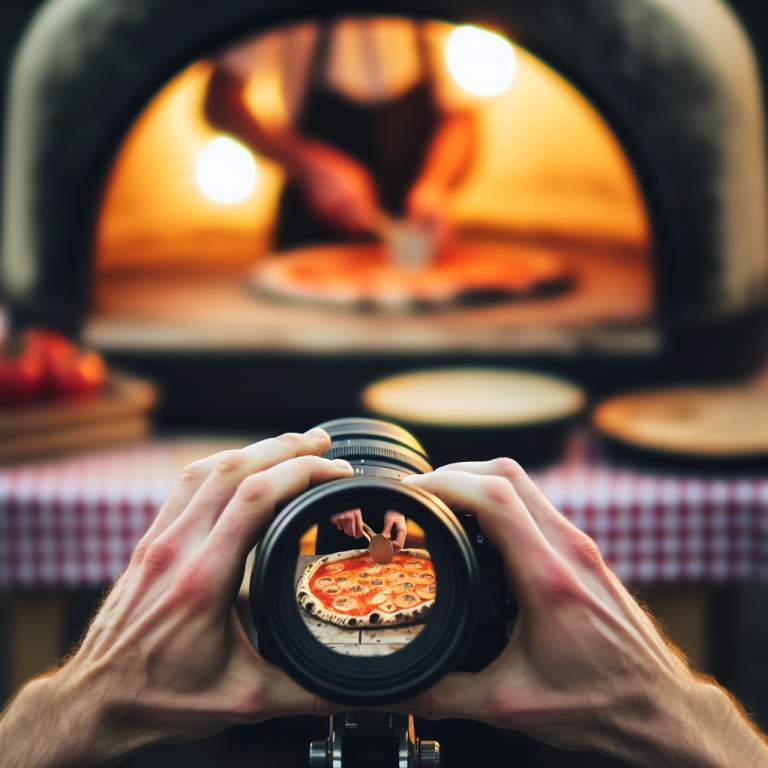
351,522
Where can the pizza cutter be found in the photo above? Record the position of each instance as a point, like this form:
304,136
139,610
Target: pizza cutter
409,244
379,546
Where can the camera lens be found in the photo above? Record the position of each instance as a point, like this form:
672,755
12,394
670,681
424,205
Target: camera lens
345,623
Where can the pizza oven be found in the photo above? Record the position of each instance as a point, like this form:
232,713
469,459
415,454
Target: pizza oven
627,148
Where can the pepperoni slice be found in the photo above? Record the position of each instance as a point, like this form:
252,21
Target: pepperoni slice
334,568
345,604
427,592
387,606
426,577
407,600
378,598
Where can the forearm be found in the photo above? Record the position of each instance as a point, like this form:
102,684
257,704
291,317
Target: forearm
450,152
226,109
703,728
51,723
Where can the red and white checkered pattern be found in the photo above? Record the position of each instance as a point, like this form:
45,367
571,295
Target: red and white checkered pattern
75,521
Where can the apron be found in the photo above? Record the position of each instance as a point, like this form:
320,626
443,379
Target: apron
389,137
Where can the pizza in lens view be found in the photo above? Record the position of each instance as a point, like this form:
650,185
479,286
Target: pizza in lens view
349,589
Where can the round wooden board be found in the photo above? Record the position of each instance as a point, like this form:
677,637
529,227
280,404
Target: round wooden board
489,398
698,422
364,275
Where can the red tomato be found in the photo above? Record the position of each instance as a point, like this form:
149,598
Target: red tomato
43,363
22,374
78,374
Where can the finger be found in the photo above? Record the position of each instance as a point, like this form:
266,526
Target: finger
561,533
531,561
228,473
251,509
389,521
357,520
399,542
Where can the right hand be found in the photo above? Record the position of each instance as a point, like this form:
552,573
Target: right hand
338,188
586,668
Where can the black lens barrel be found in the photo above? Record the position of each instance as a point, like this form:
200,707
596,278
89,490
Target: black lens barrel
381,454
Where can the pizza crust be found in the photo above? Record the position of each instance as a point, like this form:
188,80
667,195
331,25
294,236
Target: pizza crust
391,610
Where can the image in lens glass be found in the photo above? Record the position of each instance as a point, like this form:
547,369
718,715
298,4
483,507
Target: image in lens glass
362,592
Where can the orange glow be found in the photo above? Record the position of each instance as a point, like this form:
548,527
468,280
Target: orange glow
481,62
548,165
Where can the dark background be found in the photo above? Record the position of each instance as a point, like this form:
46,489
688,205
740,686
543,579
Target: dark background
15,14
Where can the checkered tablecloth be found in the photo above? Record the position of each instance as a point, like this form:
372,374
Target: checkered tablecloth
75,521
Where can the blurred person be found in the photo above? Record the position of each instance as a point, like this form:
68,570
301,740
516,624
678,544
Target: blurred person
166,659
369,120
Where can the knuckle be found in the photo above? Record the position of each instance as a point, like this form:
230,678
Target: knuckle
560,586
192,586
586,551
230,462
140,552
291,440
195,472
497,490
508,468
502,705
255,488
159,555
252,705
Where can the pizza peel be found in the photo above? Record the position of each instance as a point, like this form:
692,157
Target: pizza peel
379,546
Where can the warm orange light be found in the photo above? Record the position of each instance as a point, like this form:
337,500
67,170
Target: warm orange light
483,63
226,171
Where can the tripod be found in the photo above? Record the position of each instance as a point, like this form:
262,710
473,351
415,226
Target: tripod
366,739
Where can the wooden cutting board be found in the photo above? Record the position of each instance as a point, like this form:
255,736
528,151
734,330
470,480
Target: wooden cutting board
699,422
119,414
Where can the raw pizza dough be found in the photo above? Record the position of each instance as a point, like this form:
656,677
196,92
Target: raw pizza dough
349,589
366,276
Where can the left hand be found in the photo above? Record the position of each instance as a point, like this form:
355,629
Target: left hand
166,658
427,205
395,529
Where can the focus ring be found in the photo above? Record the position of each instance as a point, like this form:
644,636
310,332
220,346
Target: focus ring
357,450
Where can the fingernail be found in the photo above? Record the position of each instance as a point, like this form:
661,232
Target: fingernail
316,433
342,464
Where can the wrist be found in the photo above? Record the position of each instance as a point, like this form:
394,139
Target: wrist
65,721
696,725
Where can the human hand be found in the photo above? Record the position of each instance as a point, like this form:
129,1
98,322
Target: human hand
586,668
427,205
350,522
394,522
166,657
338,188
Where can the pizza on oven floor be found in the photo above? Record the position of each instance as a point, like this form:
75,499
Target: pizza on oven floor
349,589
364,275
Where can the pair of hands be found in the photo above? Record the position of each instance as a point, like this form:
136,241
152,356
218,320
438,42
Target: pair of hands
166,658
351,523
341,191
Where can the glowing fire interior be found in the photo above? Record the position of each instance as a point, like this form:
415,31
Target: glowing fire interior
180,194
